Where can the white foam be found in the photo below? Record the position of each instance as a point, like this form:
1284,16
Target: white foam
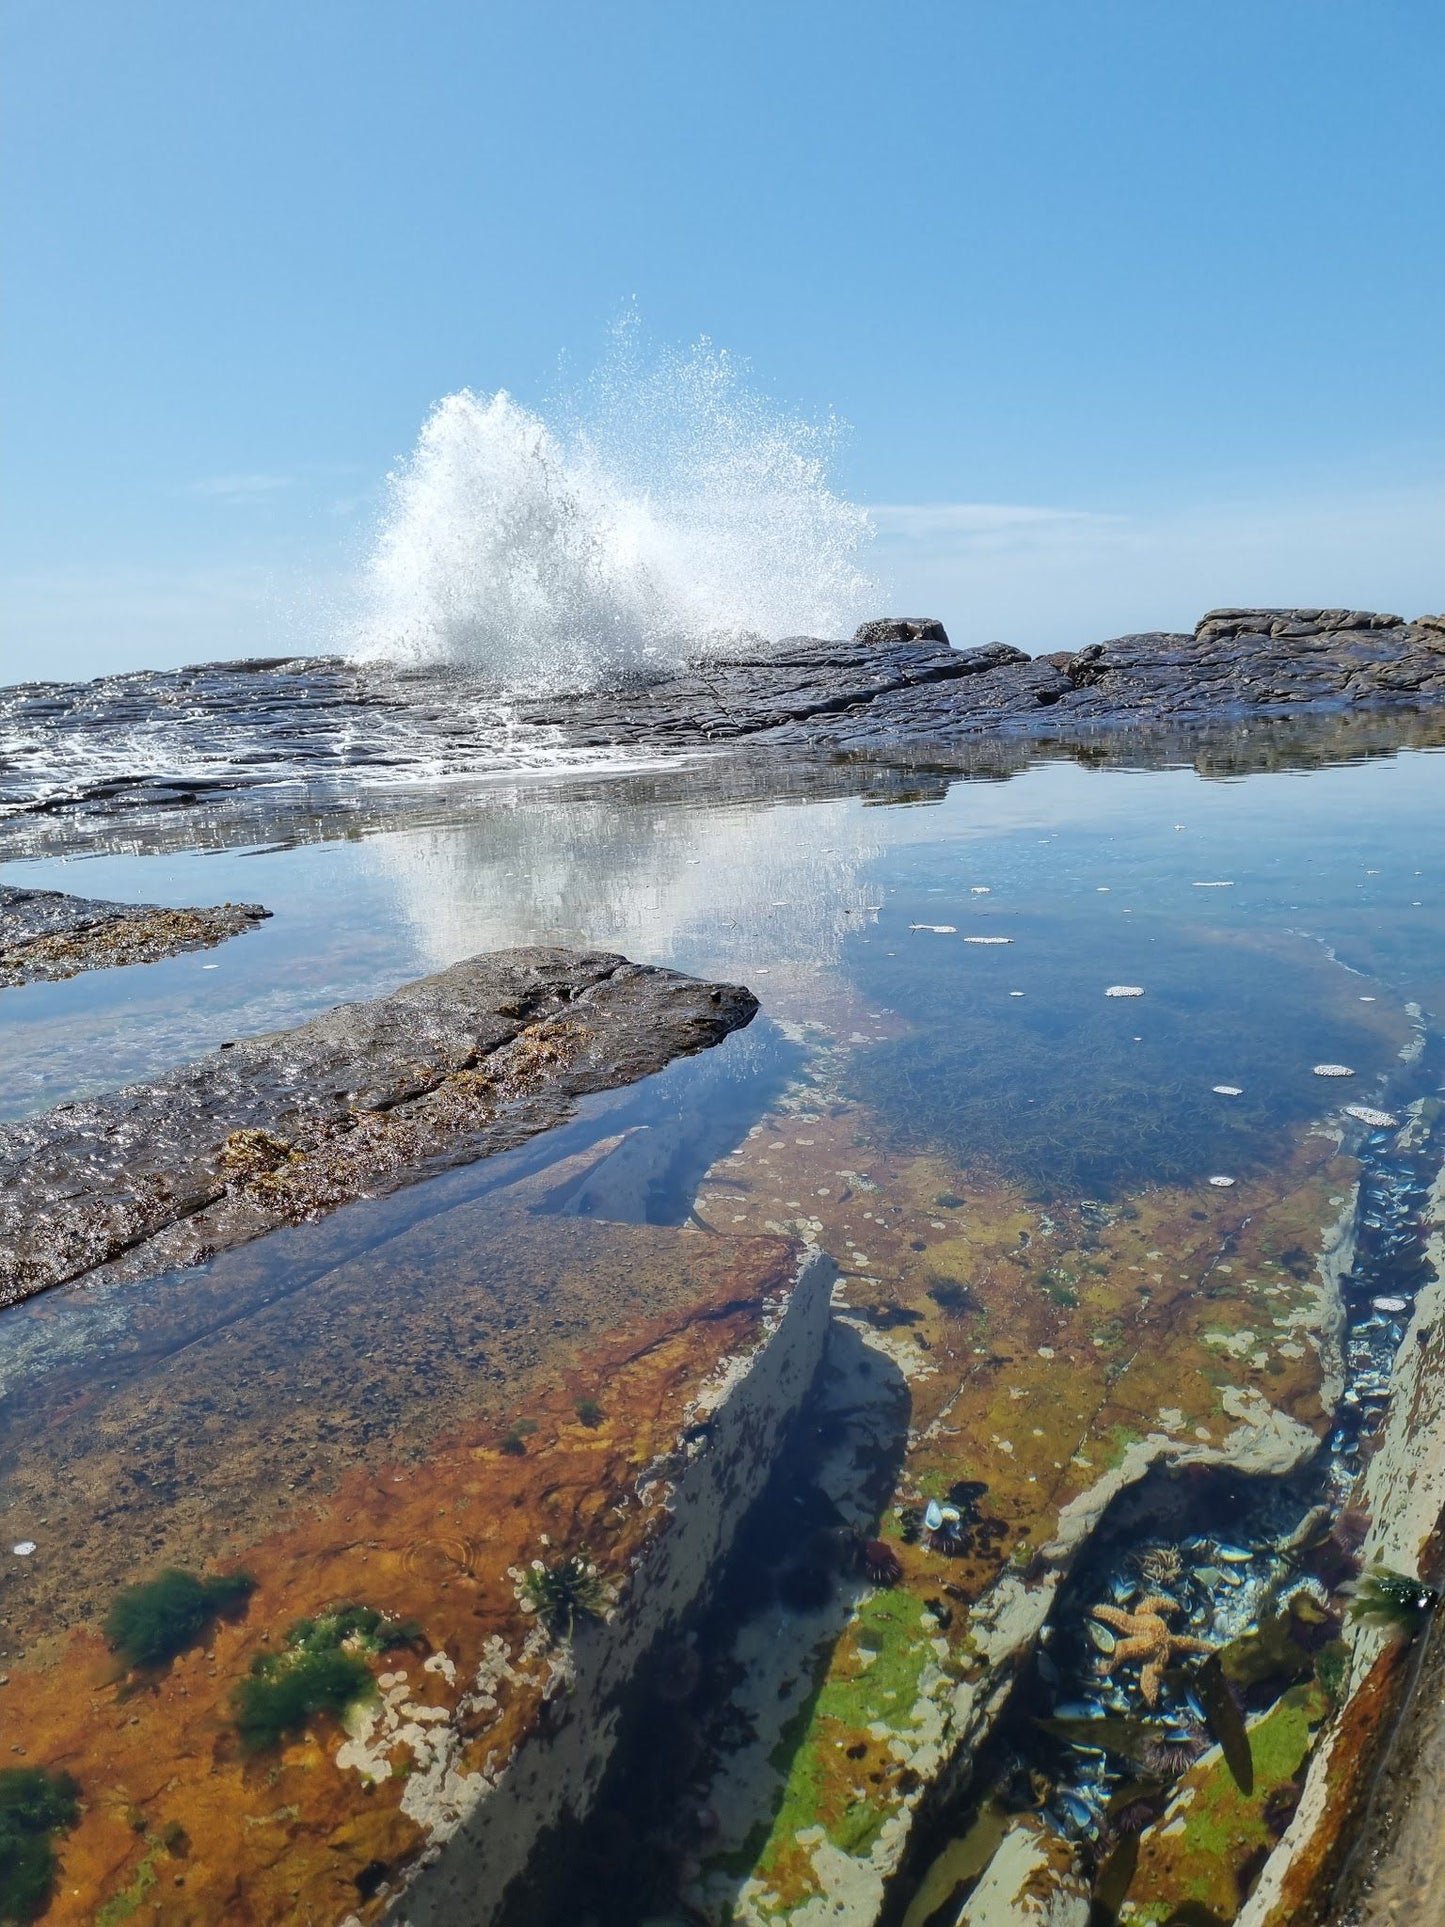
669,511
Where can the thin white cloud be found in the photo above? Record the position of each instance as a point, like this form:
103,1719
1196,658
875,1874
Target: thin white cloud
241,488
1051,578
924,521
81,622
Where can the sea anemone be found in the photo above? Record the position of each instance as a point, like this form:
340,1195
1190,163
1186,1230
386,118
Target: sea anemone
880,1562
1160,1566
564,1592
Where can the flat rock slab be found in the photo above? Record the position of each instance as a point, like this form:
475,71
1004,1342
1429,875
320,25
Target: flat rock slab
777,685
285,1126
899,682
46,935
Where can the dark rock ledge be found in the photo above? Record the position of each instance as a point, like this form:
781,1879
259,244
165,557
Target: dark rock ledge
899,681
45,935
290,1124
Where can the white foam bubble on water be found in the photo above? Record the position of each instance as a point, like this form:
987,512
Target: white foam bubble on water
665,511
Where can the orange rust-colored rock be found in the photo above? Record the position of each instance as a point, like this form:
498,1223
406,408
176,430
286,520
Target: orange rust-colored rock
177,1817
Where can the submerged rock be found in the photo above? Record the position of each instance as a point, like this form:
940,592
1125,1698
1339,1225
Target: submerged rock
45,934
288,1125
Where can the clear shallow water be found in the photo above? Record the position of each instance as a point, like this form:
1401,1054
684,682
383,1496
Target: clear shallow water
675,869
895,1082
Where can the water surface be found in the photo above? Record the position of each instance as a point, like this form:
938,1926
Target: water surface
1040,1195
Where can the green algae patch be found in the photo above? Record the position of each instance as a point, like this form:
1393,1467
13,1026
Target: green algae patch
320,1670
875,1679
124,1905
889,1625
1224,1829
35,1805
157,1620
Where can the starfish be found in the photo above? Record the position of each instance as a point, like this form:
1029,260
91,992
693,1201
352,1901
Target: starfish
1147,1637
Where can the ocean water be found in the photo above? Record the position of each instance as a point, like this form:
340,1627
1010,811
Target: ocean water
937,1044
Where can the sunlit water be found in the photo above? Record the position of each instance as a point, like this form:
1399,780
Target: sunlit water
932,957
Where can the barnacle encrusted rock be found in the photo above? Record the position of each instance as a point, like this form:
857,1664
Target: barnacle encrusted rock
290,1124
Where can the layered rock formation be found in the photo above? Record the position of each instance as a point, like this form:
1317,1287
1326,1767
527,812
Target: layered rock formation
899,682
186,740
290,1124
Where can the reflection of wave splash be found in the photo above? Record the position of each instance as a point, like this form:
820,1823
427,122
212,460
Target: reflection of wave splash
672,509
708,890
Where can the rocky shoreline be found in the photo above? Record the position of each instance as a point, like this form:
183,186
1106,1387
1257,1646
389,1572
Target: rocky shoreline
286,1126
184,740
900,682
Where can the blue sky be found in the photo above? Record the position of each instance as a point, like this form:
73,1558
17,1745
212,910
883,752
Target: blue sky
1133,307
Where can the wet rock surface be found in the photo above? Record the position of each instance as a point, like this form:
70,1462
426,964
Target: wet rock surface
900,682
790,684
46,934
186,739
285,1126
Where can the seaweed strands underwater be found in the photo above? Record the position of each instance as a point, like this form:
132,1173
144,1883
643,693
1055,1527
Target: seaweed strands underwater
1165,1642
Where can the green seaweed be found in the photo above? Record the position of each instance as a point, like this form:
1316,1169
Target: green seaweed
35,1805
1394,1598
152,1622
320,1670
283,1692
